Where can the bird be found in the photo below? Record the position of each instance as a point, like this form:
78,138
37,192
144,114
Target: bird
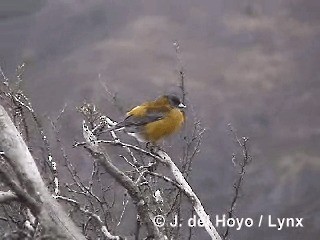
154,120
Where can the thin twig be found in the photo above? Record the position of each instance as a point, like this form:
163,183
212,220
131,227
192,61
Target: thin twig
246,159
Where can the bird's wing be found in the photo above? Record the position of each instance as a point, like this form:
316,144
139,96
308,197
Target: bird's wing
136,121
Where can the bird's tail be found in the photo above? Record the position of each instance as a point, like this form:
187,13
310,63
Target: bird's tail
107,125
114,128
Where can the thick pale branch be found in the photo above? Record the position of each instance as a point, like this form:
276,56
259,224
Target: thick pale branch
20,193
192,197
8,196
51,215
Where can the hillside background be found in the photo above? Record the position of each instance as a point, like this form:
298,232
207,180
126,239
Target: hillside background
254,64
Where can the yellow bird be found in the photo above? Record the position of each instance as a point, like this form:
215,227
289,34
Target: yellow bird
154,120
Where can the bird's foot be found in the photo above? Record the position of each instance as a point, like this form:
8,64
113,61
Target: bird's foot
153,148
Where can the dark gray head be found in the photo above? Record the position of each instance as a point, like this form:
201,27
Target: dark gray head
175,101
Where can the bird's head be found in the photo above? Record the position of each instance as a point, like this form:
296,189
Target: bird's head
174,101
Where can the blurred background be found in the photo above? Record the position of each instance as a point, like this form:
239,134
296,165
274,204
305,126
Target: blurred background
254,64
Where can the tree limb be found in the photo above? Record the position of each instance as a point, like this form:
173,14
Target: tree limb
51,215
8,196
191,196
133,191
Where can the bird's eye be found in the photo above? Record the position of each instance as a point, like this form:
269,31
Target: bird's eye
174,101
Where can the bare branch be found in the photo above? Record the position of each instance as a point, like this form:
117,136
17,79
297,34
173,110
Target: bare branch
181,71
96,217
243,164
20,192
197,205
131,187
8,196
50,214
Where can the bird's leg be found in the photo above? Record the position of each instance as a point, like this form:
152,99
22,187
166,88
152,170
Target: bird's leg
148,145
153,148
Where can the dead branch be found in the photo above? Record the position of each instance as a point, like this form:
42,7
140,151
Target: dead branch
96,217
7,196
197,205
243,164
133,191
93,146
50,214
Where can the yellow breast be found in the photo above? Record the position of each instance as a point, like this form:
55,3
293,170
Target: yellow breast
170,124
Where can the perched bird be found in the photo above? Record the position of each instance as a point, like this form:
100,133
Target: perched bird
154,120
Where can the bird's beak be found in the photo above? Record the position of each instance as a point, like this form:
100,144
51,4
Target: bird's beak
181,105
